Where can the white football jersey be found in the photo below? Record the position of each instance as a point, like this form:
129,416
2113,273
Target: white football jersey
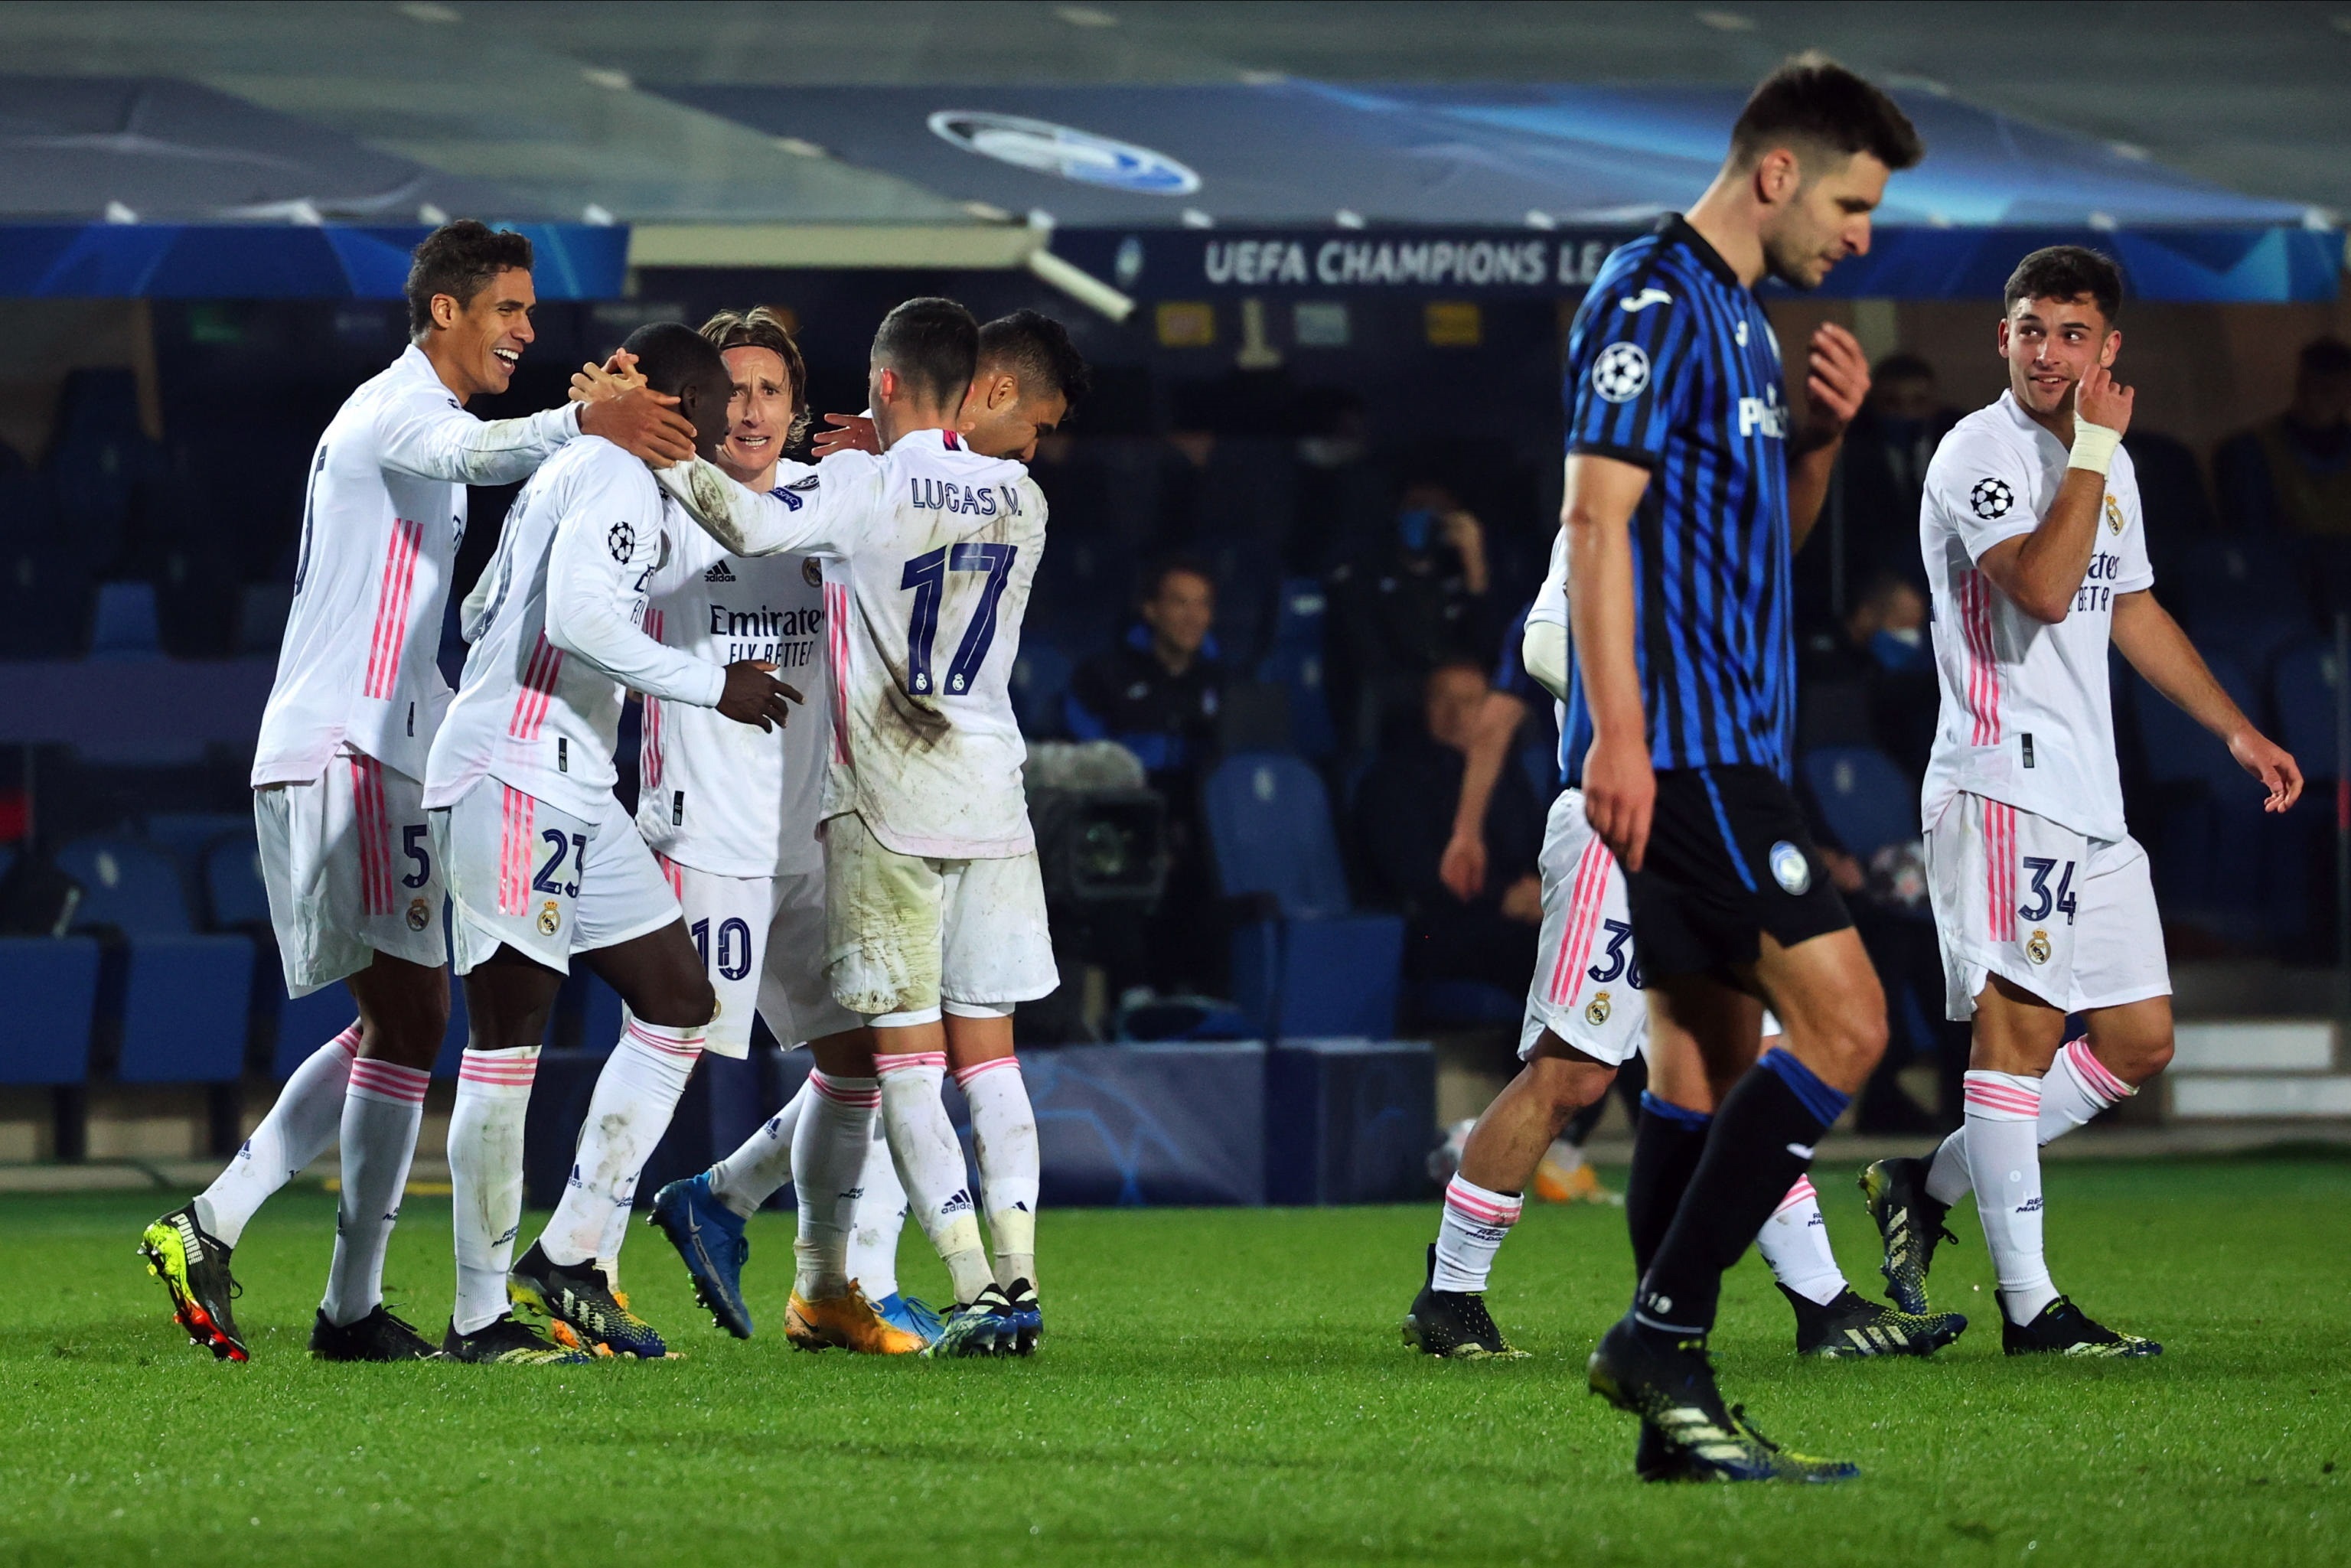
931,552
558,634
382,520
2027,712
716,795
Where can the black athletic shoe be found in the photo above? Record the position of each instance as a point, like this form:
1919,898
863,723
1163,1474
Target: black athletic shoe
379,1336
1656,1460
1025,1306
1669,1383
192,1263
1909,1223
2063,1329
1850,1327
987,1325
509,1342
581,1298
1454,1324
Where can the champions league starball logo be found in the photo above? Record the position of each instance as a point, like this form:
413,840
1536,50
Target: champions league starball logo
1990,499
1620,372
1049,149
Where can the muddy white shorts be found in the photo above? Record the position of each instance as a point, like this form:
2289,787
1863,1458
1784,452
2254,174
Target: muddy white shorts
1587,983
527,875
906,934
351,870
762,941
2069,919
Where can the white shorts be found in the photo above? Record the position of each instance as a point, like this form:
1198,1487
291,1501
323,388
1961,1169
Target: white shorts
351,872
1587,984
2069,919
762,940
906,934
533,877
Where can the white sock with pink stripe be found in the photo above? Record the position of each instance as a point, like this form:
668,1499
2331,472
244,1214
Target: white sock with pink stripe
930,1162
381,1111
2003,1110
2077,1088
297,1130
880,1220
1795,1242
1004,1141
828,1157
756,1172
485,1178
1472,1230
635,1095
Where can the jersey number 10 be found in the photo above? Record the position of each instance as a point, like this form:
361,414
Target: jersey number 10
926,575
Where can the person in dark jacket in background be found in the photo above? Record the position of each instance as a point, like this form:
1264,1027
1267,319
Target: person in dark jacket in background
1402,604
1404,817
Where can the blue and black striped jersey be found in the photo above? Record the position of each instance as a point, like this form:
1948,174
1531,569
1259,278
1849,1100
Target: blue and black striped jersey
1671,364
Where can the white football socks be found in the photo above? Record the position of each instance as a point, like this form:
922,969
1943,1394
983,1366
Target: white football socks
881,1218
2004,1159
828,1157
1795,1242
485,1178
754,1173
299,1126
930,1162
2078,1087
1004,1140
635,1095
382,1111
1471,1231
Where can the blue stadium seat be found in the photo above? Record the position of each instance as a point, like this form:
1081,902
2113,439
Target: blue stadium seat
305,1023
184,1006
1317,968
126,627
1866,802
101,459
2207,847
1466,1004
126,885
1295,663
2302,690
1039,676
51,983
233,890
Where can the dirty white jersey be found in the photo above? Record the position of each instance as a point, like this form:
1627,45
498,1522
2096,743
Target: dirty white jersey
558,636
381,519
930,550
723,797
2027,712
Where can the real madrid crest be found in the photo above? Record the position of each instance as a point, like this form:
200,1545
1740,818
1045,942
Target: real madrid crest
2036,948
811,574
1595,1012
2114,514
418,914
550,918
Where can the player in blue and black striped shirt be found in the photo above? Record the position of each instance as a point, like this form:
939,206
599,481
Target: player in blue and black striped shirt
1690,479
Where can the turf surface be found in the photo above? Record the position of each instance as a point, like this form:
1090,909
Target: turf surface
1215,1386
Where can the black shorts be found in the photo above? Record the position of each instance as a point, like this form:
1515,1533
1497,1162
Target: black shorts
1729,857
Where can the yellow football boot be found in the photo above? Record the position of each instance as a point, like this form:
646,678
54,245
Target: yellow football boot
847,1321
1556,1183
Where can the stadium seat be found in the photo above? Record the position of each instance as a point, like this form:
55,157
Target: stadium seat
1866,802
2302,693
1463,1004
235,894
2207,846
51,983
1039,676
126,885
1316,967
126,626
1295,663
101,459
305,1023
189,834
184,1006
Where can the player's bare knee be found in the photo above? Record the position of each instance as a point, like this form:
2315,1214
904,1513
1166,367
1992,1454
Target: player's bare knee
681,1001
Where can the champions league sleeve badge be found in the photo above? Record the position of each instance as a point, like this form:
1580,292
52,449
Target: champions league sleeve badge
1991,499
1791,870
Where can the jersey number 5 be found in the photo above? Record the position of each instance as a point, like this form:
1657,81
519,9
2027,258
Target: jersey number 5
926,575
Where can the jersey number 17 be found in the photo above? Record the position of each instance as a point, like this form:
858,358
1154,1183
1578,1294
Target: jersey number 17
927,576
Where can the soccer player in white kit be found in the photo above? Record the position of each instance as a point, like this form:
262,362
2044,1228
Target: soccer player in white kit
355,888
935,907
543,862
1586,1015
2035,547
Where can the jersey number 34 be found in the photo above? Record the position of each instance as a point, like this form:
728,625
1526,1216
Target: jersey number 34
927,576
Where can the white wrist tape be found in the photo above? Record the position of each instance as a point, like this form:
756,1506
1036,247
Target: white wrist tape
2093,445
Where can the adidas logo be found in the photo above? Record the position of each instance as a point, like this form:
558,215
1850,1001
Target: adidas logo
959,1203
718,573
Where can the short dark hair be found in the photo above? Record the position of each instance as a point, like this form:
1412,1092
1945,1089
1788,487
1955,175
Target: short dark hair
934,343
1812,101
2325,357
2067,272
672,356
1156,575
1037,352
763,327
459,259
1902,365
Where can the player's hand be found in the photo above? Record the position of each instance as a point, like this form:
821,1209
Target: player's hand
1836,379
1620,794
610,379
643,423
2102,399
844,433
2271,763
1523,900
1462,867
753,695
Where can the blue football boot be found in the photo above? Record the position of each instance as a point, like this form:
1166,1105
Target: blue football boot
911,1314
709,1236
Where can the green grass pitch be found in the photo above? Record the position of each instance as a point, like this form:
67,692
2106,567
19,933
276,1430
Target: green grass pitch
1215,1387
